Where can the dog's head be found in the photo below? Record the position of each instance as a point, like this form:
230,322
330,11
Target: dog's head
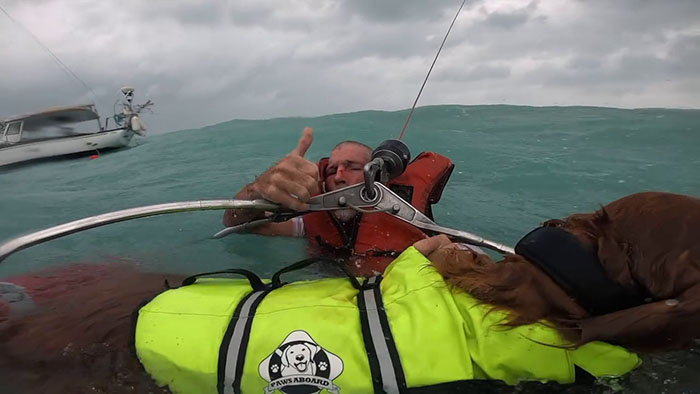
648,243
646,240
299,356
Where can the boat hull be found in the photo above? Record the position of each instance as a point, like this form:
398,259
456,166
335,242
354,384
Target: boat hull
64,146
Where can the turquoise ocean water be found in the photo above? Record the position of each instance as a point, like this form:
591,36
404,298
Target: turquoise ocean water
515,167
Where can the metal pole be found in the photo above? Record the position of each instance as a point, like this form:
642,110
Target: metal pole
25,241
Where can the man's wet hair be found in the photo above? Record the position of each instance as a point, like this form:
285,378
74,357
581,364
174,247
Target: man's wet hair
369,148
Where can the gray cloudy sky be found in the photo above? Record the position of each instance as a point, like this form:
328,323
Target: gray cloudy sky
205,62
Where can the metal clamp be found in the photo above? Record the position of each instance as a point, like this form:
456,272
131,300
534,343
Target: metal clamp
359,196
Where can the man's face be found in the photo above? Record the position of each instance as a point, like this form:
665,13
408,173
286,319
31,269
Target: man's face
346,166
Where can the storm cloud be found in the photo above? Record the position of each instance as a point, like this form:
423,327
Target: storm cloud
205,62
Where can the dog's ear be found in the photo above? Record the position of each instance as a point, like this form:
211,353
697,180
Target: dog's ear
615,257
313,348
597,230
283,356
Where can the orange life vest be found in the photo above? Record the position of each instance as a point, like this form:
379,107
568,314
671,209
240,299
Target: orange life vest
371,241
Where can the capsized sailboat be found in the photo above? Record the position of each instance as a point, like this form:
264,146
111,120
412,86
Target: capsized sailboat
66,130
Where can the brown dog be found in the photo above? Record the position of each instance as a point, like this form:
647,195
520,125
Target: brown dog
79,339
646,242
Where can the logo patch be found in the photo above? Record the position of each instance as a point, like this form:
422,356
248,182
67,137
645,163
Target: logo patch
299,365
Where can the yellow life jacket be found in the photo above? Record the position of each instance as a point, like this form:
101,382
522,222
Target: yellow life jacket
406,330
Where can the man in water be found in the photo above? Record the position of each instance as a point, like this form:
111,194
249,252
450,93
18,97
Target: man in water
295,179
368,242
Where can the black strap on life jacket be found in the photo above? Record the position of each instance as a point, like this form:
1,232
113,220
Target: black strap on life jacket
254,280
577,270
384,362
277,282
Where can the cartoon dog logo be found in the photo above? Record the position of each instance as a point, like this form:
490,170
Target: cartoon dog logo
299,365
298,359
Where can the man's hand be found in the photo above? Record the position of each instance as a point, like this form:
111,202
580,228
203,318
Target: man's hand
293,180
451,259
428,246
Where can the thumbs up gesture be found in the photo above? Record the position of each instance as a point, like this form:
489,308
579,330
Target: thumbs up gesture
293,180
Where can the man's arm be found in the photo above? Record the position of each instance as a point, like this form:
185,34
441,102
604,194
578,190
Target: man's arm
290,183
